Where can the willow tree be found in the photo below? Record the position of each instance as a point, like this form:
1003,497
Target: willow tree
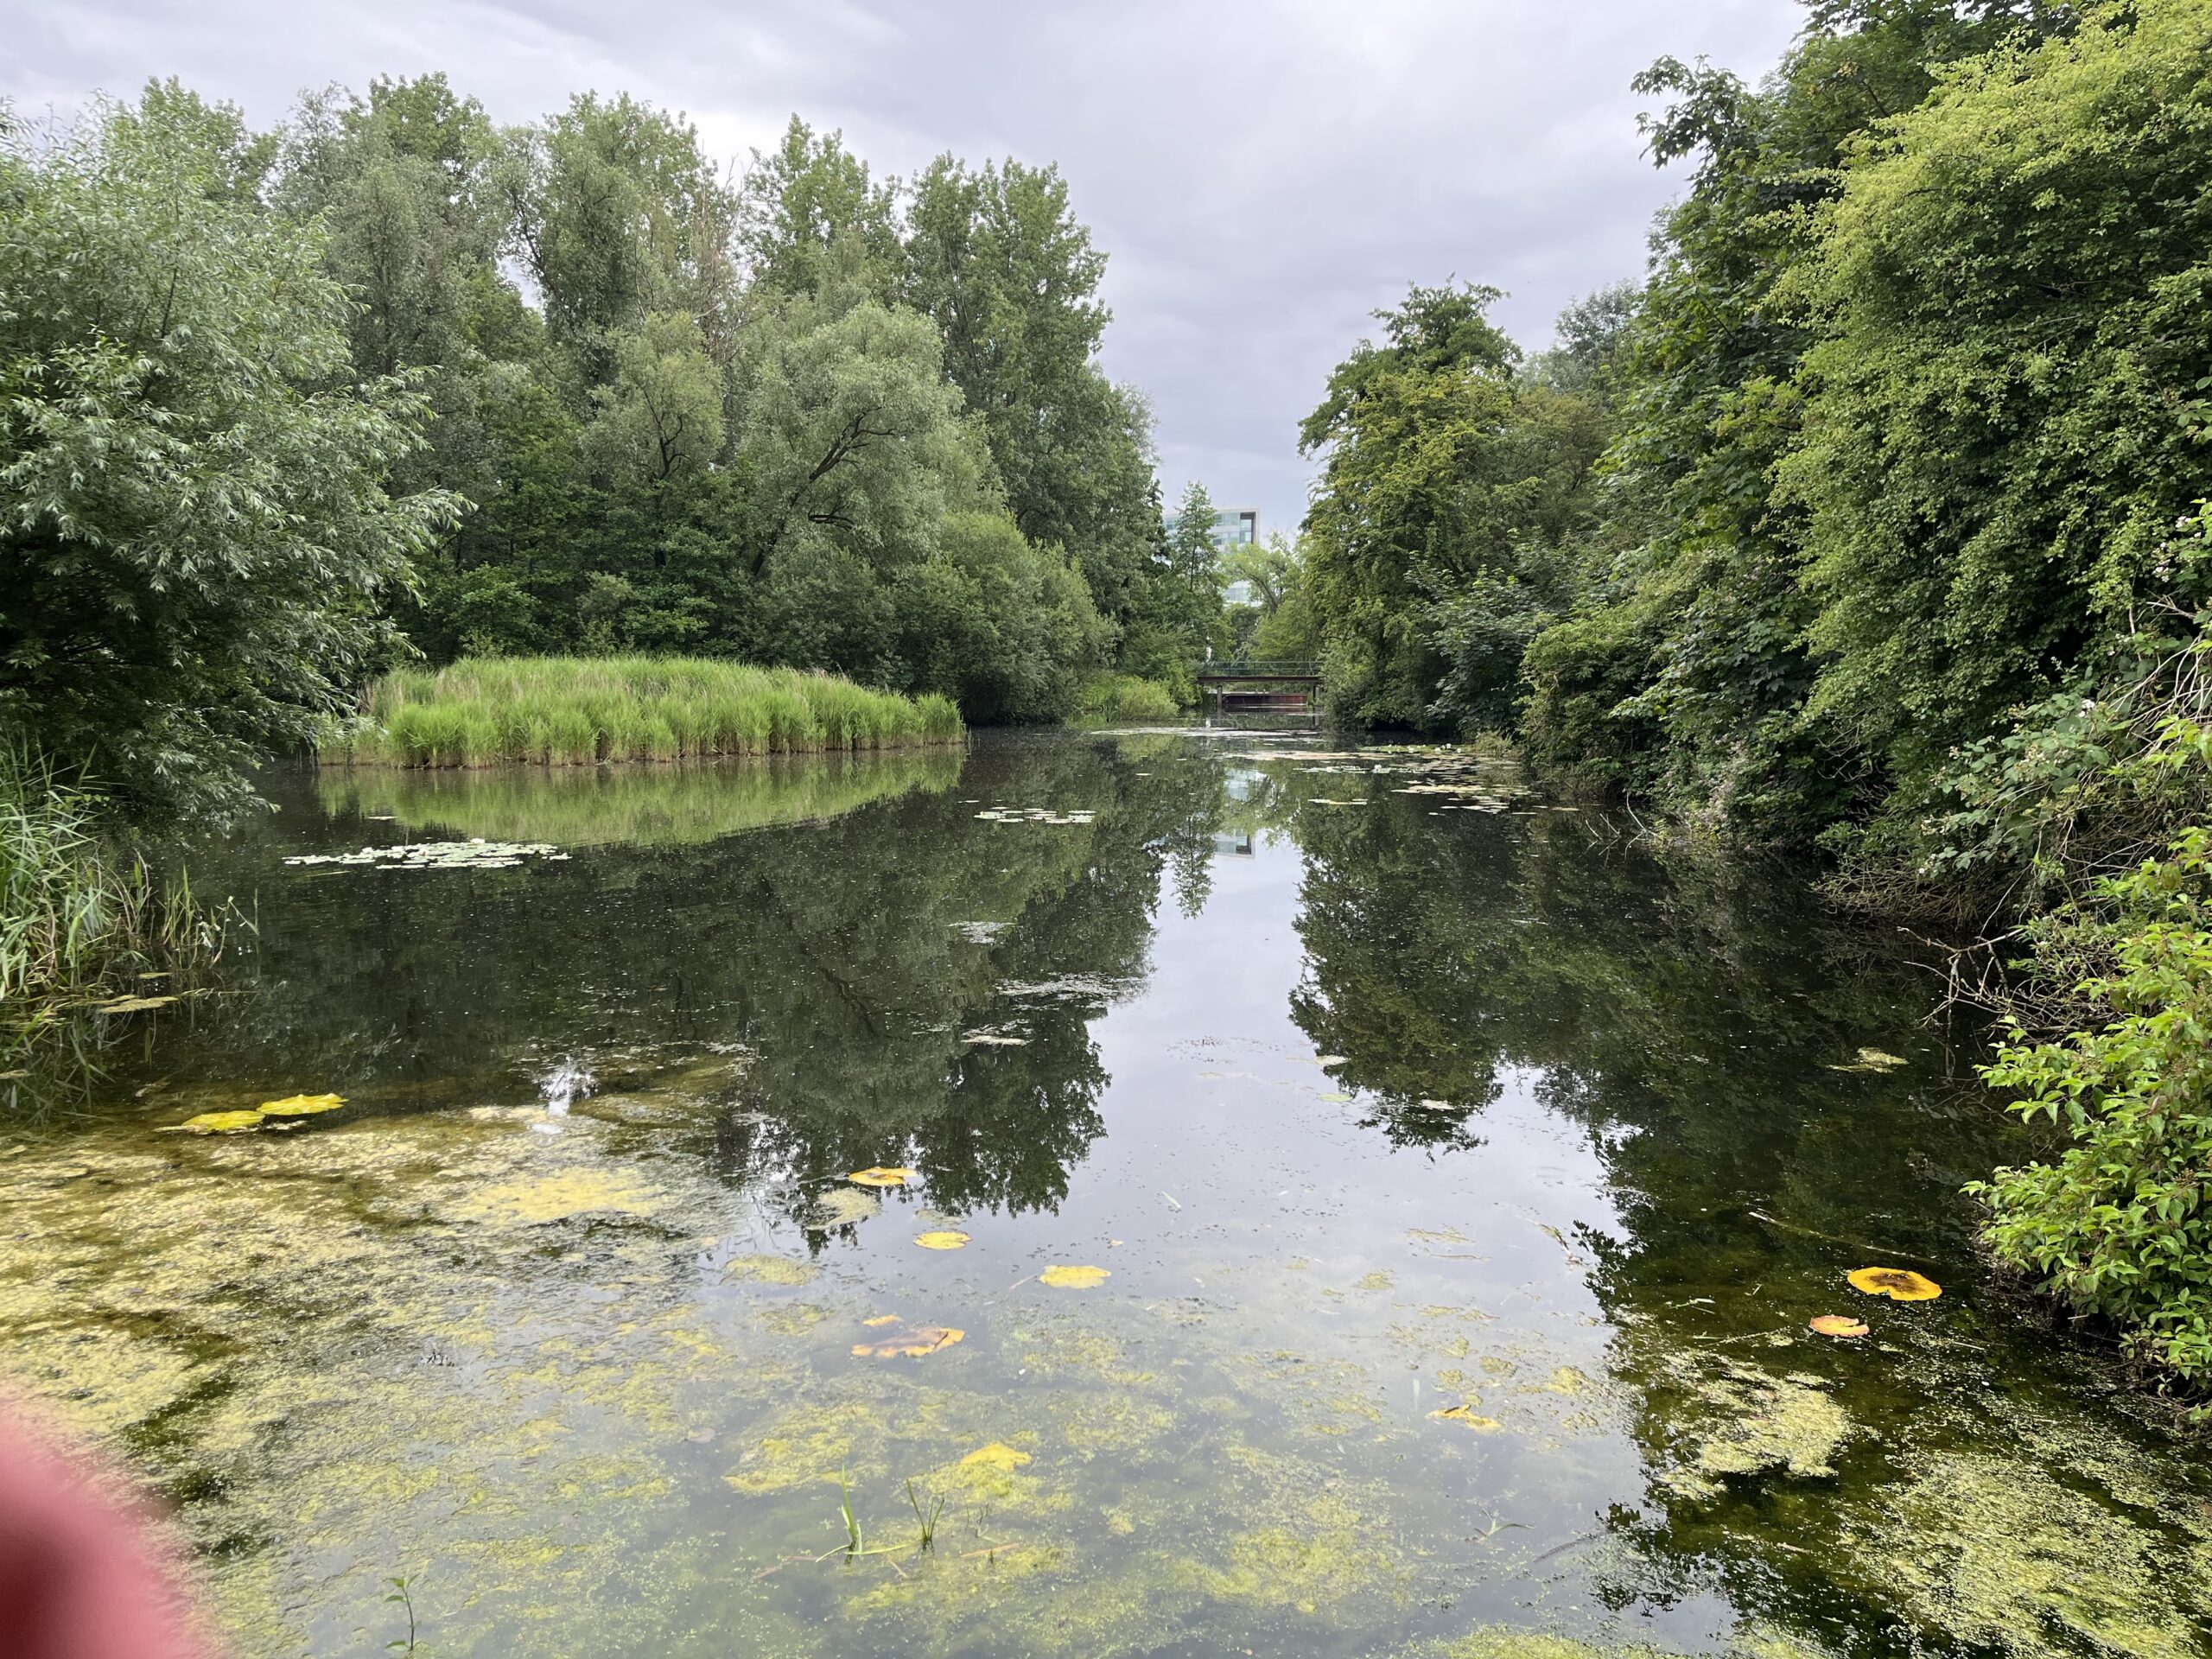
197,546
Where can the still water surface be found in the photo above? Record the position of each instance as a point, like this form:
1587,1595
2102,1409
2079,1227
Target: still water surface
1462,1181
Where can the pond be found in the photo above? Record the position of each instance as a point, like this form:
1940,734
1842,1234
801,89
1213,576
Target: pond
1335,1205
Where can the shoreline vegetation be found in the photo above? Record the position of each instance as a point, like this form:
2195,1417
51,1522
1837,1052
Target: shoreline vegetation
83,924
569,711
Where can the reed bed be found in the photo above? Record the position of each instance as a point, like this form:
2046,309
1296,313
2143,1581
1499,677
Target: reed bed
74,913
570,711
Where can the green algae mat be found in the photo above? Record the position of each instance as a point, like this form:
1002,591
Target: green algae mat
1074,1197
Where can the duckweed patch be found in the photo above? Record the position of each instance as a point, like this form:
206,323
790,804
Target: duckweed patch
763,1269
1994,1550
1740,1421
558,1198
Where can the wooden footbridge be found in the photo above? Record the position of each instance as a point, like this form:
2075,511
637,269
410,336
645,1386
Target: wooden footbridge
1267,685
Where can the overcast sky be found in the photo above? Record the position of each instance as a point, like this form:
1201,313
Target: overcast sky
1263,175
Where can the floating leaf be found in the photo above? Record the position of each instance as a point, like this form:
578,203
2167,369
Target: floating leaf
1872,1060
437,855
1837,1325
997,1455
132,1004
900,1340
302,1105
1468,1417
222,1122
1898,1284
879,1176
947,1240
1065,1278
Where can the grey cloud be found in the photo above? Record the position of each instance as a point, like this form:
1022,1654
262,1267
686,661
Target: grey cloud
1263,175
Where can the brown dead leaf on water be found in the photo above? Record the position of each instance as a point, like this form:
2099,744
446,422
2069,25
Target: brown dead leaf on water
1468,1417
898,1338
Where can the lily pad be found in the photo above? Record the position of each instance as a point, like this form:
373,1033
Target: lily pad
222,1122
880,1176
302,1105
1898,1284
438,856
1837,1325
947,1240
1074,1278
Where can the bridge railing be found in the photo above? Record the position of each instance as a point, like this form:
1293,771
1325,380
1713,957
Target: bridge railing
1280,668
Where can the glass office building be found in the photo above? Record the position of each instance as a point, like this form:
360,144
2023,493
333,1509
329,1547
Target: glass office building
1232,526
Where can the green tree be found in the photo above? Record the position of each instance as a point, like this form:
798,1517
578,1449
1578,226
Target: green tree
198,544
1449,484
619,215
851,434
811,216
1688,670
2005,413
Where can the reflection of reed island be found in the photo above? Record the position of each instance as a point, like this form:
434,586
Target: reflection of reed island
686,804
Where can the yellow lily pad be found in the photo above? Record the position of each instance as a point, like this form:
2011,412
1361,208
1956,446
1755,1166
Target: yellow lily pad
1468,1417
997,1455
879,1176
1898,1284
1067,1278
302,1105
901,1340
943,1241
1837,1325
222,1122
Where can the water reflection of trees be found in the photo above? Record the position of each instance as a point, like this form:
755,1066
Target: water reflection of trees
832,960
1690,1018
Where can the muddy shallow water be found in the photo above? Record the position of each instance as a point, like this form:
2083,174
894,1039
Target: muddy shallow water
1462,1181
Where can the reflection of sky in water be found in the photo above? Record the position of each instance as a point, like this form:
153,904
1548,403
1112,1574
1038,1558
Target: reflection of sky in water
1579,1168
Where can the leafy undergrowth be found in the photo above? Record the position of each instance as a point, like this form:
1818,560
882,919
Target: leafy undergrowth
2116,1225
